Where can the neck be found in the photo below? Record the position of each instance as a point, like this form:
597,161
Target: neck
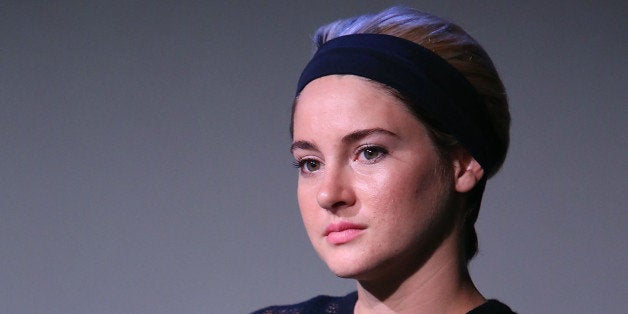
440,285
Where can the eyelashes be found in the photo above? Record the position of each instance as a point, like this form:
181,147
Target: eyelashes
366,154
307,165
371,153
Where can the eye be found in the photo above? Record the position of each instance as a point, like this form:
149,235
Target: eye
372,153
308,165
311,165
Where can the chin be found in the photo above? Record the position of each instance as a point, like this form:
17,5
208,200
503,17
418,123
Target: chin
356,272
345,272
359,265
350,260
347,266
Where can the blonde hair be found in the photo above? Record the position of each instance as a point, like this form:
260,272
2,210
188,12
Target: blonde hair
453,44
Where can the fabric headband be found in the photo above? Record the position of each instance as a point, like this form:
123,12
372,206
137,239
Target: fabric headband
419,75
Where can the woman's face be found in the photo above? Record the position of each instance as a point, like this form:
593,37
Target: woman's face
372,191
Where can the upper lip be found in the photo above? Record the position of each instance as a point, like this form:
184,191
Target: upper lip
342,226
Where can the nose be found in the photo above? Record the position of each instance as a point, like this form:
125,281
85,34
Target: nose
336,190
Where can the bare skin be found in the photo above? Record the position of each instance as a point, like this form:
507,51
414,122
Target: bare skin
375,200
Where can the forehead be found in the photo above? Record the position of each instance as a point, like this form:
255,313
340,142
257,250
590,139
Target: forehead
347,103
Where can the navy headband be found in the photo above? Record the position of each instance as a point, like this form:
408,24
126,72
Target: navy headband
420,76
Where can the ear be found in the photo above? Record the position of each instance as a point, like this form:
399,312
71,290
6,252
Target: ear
467,171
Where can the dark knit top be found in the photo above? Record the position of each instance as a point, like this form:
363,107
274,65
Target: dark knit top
345,305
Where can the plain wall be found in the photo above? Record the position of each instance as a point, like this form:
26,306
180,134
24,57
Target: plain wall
145,165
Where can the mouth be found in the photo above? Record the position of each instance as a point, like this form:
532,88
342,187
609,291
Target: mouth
343,232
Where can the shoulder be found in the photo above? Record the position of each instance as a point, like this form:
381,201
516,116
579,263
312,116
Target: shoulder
492,307
319,304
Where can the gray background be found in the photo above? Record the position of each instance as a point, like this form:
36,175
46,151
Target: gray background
144,163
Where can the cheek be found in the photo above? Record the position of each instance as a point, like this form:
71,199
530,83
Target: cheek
383,196
402,197
308,206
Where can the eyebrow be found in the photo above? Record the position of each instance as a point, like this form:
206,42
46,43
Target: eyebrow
305,145
360,134
347,139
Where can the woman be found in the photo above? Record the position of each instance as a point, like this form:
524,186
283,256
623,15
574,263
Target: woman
399,119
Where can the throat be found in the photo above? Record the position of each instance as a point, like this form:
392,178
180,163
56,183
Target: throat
459,299
440,285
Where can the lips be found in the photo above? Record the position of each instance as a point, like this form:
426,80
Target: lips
343,232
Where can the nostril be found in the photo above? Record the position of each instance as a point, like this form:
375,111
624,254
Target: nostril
335,190
339,204
339,199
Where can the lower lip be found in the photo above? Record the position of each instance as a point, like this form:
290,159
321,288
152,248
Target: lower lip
344,236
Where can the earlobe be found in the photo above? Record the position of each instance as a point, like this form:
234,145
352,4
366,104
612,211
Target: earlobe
468,172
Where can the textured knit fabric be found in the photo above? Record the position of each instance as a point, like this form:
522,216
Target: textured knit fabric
344,305
492,307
